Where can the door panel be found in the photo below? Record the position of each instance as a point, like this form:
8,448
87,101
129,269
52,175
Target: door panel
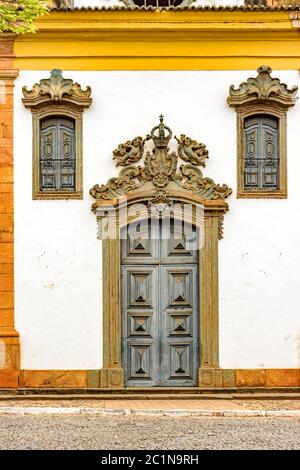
140,245
140,285
179,324
178,243
160,311
140,359
179,364
139,309
179,289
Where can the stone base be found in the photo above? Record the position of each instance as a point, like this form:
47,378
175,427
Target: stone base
9,348
111,378
53,379
239,378
9,358
9,378
216,378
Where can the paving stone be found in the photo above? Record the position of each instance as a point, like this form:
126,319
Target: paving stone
147,432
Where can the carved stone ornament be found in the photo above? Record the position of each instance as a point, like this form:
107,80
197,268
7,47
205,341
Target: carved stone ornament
56,89
160,4
190,151
130,152
262,88
160,170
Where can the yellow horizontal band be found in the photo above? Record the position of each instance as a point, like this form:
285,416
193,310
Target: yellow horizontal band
145,40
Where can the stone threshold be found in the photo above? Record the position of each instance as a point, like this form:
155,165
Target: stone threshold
56,395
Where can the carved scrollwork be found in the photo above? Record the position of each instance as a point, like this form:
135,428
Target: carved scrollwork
191,179
129,178
191,151
160,168
130,152
56,89
221,225
263,87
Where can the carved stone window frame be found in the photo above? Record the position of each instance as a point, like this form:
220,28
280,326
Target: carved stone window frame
160,182
267,96
56,97
267,109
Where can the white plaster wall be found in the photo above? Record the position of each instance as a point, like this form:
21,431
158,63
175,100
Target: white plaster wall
58,264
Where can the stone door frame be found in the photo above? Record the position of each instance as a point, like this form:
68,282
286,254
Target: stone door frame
112,374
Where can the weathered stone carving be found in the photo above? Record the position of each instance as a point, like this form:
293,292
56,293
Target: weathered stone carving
191,179
160,3
221,225
191,151
261,88
129,178
160,169
56,89
130,152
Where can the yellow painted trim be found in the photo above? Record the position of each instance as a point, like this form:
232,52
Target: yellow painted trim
160,40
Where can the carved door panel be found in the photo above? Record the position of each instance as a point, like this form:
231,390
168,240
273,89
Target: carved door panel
160,309
140,322
139,245
179,243
179,325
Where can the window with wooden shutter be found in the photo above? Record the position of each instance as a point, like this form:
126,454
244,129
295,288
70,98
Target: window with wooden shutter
57,105
261,153
57,154
261,104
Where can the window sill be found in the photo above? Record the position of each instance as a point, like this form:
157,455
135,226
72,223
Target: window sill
58,195
262,195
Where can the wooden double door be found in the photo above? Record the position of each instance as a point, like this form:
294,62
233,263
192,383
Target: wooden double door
160,305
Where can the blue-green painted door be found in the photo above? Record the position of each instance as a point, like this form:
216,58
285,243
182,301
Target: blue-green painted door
160,307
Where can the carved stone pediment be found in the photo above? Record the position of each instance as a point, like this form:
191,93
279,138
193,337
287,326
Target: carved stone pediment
262,88
160,173
56,89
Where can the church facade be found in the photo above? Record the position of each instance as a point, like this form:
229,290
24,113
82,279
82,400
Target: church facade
149,232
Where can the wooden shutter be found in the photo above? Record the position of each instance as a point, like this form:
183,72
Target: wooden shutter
57,154
261,154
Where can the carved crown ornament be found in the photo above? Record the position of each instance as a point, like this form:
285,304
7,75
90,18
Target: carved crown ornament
56,89
160,174
262,88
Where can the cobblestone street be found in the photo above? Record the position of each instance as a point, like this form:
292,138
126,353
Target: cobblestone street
127,432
